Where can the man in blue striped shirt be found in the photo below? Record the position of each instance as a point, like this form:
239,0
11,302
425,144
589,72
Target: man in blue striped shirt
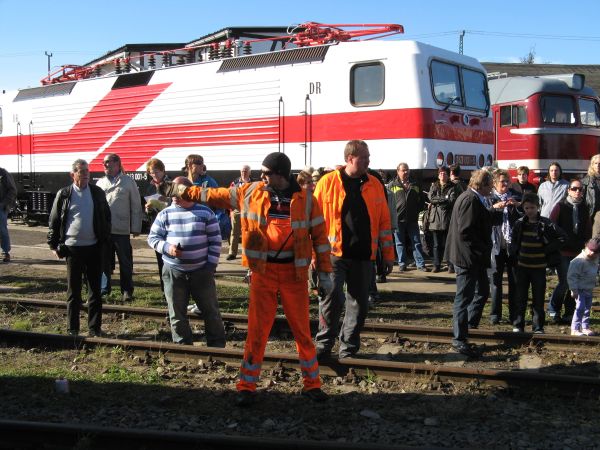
188,236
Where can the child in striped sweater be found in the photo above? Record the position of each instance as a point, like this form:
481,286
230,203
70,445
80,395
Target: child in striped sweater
535,244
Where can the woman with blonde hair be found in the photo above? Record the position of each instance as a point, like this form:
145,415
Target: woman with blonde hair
591,192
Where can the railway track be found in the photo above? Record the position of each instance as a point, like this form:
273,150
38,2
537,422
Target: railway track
386,370
46,435
371,329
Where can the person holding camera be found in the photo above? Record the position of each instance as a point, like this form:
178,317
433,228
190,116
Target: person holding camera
79,226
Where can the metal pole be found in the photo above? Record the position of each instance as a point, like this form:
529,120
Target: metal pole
460,42
49,55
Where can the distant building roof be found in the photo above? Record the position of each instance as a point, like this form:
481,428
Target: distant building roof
130,48
239,33
591,71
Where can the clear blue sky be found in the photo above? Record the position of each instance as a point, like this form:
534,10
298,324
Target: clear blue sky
76,32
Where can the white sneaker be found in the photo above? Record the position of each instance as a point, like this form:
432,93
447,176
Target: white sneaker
576,333
589,332
517,330
193,309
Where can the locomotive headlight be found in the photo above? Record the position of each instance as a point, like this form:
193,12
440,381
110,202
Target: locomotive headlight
449,159
439,161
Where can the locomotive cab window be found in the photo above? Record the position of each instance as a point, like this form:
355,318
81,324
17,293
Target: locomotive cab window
589,112
446,83
367,84
558,109
454,85
474,86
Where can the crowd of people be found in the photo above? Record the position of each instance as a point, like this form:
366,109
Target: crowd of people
339,231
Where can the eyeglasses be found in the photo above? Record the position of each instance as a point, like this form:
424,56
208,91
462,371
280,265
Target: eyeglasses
576,189
108,161
266,173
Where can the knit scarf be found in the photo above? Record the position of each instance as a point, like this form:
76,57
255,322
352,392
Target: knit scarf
506,230
575,203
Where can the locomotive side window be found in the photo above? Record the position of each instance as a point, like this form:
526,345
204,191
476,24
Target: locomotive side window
367,84
589,112
474,85
558,109
446,83
519,115
506,116
512,115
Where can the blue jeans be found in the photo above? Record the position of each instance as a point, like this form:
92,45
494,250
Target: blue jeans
200,285
412,229
4,237
561,294
581,316
121,245
472,291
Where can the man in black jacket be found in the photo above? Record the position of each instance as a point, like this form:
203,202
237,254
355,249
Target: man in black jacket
469,247
79,225
409,201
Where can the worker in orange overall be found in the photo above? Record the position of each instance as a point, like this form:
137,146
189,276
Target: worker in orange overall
281,226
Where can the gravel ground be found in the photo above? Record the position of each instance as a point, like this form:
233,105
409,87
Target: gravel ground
114,388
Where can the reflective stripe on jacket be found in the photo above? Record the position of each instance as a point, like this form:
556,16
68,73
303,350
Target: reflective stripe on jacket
253,201
330,195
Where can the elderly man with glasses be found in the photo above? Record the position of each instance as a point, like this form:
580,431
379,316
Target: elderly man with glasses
126,208
469,248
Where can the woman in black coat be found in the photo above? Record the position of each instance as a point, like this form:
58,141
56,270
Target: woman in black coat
442,195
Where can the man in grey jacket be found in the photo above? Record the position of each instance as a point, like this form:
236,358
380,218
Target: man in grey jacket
8,195
125,204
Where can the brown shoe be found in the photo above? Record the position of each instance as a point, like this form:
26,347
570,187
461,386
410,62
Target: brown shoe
5,257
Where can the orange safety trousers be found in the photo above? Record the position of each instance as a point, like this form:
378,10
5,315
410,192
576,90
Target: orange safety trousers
278,278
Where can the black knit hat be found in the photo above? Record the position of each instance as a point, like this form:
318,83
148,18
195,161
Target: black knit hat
279,163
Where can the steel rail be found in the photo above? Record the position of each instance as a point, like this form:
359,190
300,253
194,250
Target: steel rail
387,370
17,433
370,329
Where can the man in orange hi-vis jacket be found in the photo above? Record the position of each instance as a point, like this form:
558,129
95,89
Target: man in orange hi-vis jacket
281,226
357,217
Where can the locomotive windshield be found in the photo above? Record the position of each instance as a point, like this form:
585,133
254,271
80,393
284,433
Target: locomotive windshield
455,85
589,112
558,109
562,110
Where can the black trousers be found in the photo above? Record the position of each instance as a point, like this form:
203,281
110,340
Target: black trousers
80,260
536,278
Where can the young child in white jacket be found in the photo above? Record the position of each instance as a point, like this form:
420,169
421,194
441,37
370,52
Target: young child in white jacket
581,278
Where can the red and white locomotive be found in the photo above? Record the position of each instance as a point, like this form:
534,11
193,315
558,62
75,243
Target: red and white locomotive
409,101
538,120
